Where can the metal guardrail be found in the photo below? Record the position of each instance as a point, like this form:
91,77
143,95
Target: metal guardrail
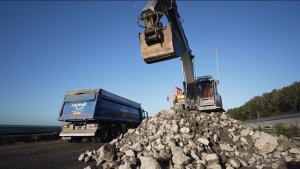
27,129
289,116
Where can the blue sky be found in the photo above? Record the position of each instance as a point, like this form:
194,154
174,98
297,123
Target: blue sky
48,48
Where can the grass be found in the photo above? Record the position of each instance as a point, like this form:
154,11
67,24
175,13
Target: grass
290,130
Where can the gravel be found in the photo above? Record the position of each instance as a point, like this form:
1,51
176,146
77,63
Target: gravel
179,139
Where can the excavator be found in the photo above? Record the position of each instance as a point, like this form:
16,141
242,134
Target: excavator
160,43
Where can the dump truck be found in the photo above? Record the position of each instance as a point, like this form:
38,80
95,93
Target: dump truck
160,43
98,115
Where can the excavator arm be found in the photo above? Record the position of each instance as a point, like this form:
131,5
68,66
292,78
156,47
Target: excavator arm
160,43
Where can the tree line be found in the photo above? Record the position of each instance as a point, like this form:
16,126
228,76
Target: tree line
278,102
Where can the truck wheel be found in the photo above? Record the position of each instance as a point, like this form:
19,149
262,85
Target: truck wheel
117,131
104,134
76,139
128,126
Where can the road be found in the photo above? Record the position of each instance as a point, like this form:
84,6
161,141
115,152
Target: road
46,155
56,154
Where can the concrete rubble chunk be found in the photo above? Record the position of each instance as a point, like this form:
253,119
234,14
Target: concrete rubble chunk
288,158
191,143
242,161
214,166
210,157
277,155
110,164
180,158
234,162
194,155
174,127
226,147
137,147
245,132
203,141
184,130
200,165
125,148
223,116
107,153
125,166
90,167
266,143
171,111
149,163
179,166
129,153
131,130
294,151
88,158
235,138
229,167
160,146
82,157
216,139
256,135
283,137
247,140
283,145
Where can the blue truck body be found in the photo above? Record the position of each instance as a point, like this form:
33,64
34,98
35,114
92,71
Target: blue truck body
83,108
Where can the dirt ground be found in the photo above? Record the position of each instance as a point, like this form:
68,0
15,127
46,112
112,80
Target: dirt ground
47,155
25,138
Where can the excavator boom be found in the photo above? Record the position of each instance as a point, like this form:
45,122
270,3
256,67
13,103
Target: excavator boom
159,43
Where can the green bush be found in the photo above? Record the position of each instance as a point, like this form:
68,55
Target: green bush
288,130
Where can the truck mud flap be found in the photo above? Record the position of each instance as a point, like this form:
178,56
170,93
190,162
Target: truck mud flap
169,47
67,133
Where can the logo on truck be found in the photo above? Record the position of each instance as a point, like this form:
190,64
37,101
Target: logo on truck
79,106
124,110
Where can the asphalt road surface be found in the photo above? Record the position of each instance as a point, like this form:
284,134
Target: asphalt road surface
46,155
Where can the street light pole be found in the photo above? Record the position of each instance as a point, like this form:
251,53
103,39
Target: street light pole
218,68
76,87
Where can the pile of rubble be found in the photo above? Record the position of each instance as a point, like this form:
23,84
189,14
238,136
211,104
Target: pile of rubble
178,139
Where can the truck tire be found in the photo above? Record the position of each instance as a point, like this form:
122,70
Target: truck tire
103,135
128,126
117,131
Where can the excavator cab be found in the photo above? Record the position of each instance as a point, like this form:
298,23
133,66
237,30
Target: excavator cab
206,90
209,98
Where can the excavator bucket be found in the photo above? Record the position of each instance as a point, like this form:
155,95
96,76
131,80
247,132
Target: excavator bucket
168,47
